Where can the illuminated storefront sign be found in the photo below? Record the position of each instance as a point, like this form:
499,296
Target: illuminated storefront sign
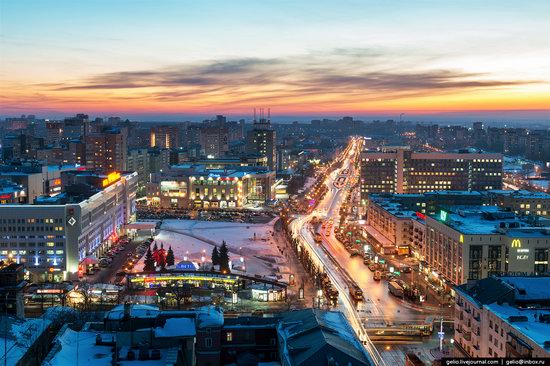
516,243
111,178
420,215
523,254
443,215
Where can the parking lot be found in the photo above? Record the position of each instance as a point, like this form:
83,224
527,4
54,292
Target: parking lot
243,215
113,261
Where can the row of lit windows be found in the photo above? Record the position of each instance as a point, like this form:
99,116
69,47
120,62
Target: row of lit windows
31,221
528,205
31,252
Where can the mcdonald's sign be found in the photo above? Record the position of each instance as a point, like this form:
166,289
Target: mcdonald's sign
516,243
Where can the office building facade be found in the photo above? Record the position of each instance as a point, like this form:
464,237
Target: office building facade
54,235
400,170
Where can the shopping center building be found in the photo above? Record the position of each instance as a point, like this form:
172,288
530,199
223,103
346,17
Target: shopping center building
195,187
53,235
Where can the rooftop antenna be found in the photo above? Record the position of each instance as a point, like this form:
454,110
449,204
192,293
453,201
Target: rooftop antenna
268,115
254,115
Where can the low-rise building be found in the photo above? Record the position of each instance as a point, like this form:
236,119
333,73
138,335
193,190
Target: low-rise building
11,290
194,186
522,202
403,228
503,317
26,341
204,337
35,179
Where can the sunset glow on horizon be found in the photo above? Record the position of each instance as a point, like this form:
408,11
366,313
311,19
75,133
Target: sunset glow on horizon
301,58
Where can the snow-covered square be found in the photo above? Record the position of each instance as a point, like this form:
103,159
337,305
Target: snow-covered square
251,246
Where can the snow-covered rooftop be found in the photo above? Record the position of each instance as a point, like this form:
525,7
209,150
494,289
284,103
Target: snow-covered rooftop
209,316
136,311
529,288
81,348
176,327
21,336
537,331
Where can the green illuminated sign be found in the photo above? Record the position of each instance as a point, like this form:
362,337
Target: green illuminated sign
443,215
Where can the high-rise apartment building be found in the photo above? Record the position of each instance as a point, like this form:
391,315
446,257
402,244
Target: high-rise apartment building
400,170
76,127
261,140
106,151
214,141
138,161
164,137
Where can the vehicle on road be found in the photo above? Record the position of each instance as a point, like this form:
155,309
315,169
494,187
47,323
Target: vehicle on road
332,295
377,275
355,253
373,267
356,293
317,238
406,269
395,289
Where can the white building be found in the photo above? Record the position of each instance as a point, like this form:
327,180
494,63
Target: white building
503,317
53,235
403,228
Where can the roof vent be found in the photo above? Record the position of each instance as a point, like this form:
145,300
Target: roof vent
517,318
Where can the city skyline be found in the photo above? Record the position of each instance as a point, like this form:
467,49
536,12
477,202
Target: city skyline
174,60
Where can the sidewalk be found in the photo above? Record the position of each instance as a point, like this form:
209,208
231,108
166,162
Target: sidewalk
302,278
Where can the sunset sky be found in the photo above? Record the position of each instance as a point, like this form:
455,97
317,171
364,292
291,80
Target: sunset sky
164,59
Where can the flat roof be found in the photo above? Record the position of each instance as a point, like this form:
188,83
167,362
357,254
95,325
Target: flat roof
529,325
472,221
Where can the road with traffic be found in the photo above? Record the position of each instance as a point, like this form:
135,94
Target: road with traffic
379,309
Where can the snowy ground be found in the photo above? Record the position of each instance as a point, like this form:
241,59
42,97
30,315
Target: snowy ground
194,239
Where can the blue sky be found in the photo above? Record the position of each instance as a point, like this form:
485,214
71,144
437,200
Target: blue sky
65,56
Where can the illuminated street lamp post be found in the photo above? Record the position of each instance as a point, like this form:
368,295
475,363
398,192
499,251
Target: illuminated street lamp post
319,297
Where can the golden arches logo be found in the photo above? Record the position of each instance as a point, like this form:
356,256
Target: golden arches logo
516,243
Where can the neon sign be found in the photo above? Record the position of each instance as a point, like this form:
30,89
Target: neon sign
111,178
516,243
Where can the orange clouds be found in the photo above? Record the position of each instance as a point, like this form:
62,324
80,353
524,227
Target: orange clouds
317,84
